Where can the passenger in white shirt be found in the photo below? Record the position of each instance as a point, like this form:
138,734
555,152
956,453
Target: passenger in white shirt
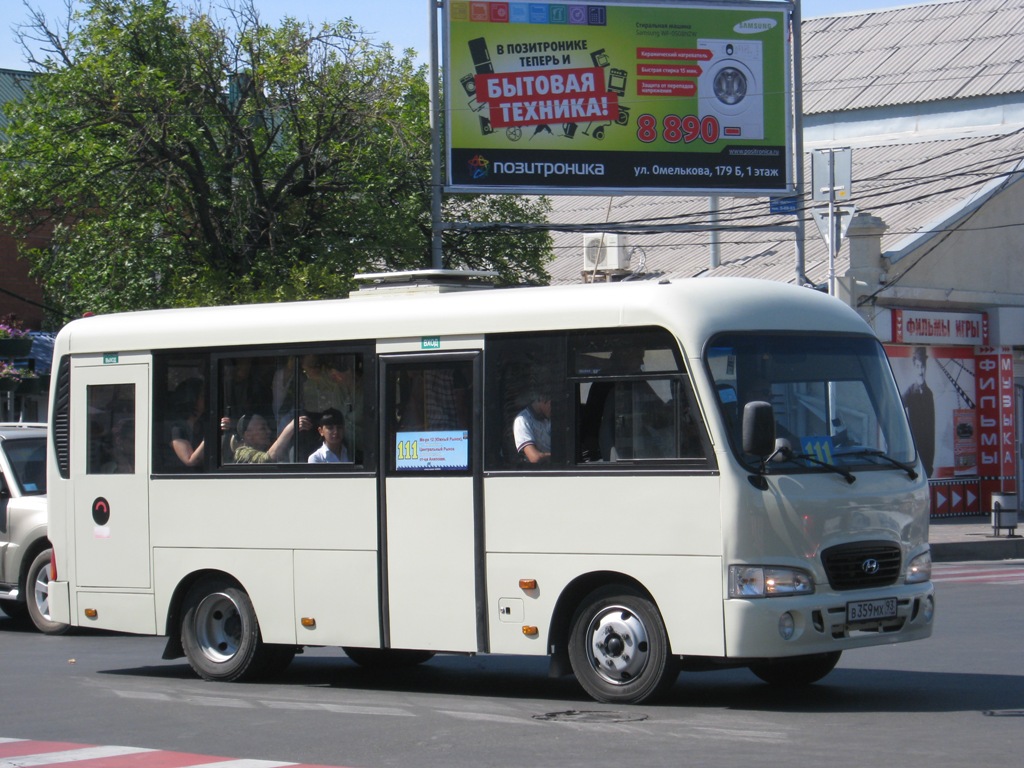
532,430
331,427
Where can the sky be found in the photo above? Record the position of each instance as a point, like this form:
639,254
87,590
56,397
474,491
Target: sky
403,23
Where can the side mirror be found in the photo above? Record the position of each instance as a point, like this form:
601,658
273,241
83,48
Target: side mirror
758,429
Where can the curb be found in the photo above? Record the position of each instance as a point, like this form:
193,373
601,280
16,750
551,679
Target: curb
985,548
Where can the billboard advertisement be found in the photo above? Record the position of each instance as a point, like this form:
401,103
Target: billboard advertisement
638,96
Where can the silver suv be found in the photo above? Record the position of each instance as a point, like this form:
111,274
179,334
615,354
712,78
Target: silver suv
24,549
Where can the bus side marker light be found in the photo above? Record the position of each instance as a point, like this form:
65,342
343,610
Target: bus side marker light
527,583
529,631
308,622
91,613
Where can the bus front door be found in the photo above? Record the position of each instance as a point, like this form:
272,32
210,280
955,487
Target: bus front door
431,516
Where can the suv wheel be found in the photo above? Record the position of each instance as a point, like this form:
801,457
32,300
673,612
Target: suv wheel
37,595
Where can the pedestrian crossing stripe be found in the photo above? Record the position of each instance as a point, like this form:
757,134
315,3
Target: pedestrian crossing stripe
24,753
981,573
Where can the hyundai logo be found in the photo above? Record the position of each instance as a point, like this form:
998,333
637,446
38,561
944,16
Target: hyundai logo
870,566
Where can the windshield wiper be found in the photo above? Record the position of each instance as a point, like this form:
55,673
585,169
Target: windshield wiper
876,454
787,453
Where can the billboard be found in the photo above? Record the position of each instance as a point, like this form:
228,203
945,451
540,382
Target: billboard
960,404
636,96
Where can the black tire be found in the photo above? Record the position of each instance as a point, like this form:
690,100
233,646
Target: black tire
618,647
387,658
37,595
220,633
796,671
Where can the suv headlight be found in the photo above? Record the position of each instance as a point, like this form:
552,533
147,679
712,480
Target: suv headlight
768,581
920,569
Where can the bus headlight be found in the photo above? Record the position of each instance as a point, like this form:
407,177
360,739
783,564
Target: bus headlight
920,569
763,581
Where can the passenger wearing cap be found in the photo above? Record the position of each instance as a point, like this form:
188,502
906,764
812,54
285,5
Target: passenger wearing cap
331,427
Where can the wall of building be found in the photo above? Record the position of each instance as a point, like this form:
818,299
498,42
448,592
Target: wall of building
980,264
17,286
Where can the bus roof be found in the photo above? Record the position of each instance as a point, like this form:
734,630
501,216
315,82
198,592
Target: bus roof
693,309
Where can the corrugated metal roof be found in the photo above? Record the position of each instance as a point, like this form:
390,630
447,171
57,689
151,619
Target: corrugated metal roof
911,186
915,54
902,56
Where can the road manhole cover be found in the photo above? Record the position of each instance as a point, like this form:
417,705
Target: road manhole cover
591,716
1003,713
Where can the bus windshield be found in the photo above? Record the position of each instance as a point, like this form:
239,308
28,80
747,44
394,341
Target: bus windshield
833,397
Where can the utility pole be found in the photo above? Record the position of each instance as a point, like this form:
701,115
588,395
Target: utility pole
831,177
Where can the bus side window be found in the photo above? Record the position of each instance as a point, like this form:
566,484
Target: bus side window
111,429
332,381
181,415
244,385
289,392
428,416
526,382
633,400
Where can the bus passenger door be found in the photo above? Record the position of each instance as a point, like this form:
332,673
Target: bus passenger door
110,473
431,516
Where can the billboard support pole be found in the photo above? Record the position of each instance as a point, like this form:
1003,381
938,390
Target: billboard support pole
798,144
715,235
436,258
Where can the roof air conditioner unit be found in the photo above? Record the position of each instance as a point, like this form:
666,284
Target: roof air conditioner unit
605,252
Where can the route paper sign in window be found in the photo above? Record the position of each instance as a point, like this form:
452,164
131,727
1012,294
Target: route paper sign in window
421,451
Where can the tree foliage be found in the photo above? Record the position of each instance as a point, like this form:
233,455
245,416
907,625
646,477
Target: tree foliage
189,158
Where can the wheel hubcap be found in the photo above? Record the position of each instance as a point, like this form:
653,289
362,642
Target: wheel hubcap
41,593
618,645
218,627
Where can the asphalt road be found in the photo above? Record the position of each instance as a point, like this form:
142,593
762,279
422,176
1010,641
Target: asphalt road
955,699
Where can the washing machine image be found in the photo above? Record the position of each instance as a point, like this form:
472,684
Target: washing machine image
731,87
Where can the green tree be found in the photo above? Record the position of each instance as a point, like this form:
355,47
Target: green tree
185,158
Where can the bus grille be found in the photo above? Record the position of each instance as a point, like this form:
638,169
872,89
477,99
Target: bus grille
862,565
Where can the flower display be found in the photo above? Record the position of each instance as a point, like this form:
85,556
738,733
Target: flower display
12,377
12,331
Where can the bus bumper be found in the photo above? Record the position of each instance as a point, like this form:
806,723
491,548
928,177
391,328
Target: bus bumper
60,602
828,621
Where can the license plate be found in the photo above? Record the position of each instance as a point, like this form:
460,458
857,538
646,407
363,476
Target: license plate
871,610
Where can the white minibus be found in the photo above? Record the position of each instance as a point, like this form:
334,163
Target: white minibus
632,478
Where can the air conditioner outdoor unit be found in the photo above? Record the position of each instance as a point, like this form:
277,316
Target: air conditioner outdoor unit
605,252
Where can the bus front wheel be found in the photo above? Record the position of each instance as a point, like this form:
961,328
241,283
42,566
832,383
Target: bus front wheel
220,633
619,648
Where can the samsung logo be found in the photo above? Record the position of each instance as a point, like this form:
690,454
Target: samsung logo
754,26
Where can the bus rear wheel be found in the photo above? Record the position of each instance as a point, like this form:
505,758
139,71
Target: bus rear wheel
220,633
796,671
619,649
